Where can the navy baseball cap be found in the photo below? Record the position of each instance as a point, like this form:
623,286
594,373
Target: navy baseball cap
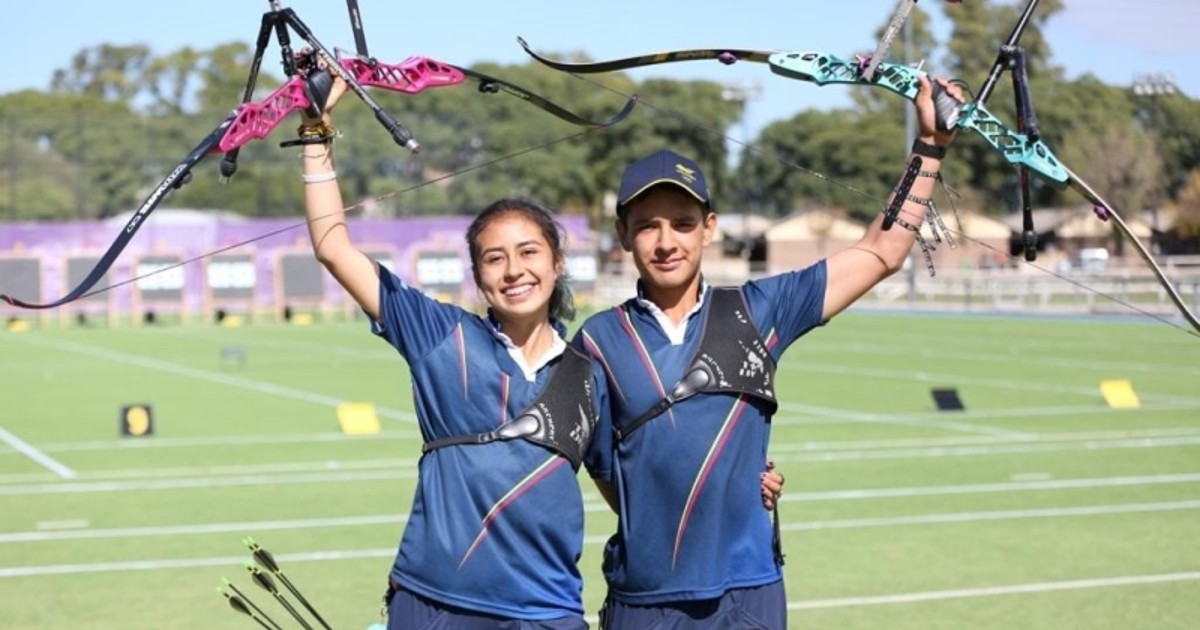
663,167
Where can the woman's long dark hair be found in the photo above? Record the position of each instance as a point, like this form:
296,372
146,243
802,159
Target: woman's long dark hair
562,303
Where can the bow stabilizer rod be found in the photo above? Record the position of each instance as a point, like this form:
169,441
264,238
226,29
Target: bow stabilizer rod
889,35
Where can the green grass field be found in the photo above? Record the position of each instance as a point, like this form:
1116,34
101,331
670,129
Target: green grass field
1037,507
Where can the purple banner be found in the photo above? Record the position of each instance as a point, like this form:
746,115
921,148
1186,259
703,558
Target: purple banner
195,235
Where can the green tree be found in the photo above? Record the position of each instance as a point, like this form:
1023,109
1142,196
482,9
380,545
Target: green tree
1176,120
1186,208
31,173
172,81
777,177
106,71
1120,161
92,143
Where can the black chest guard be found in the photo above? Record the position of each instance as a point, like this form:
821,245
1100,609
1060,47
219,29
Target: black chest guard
561,418
731,359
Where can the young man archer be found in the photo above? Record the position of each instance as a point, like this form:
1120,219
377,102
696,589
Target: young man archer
690,371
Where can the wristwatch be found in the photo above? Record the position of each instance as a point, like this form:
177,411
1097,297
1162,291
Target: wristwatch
925,149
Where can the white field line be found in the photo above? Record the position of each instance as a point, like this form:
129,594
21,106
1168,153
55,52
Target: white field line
380,351
776,445
189,563
149,482
830,415
968,440
389,469
897,598
993,591
988,450
932,422
204,529
221,440
935,378
392,519
986,488
74,523
28,450
1039,358
1030,343
324,471
76,487
396,519
330,465
211,376
999,515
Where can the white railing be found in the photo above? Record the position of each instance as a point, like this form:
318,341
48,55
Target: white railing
1024,290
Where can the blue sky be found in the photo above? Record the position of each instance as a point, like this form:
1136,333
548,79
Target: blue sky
1116,40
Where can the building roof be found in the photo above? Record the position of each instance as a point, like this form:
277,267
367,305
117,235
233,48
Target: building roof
975,225
741,225
817,224
1079,221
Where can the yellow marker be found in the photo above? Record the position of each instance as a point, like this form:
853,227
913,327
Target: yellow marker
302,319
358,418
137,421
1119,394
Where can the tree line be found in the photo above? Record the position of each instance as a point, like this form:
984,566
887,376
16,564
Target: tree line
118,117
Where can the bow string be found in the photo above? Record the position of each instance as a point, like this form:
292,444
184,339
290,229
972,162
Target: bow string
252,121
1021,148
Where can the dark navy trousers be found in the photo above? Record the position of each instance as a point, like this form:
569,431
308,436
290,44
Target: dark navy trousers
409,611
758,608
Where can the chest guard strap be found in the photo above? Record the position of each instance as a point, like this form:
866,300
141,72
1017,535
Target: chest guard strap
732,358
561,418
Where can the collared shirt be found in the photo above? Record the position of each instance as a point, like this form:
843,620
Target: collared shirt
557,346
692,522
674,332
468,541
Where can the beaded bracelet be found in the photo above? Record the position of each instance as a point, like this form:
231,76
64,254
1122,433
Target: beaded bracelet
321,128
318,133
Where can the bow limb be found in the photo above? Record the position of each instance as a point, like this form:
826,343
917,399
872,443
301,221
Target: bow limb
1106,213
418,73
489,84
176,178
1017,148
727,56
256,121
409,76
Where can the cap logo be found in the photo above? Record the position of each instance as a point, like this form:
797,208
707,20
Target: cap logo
688,175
